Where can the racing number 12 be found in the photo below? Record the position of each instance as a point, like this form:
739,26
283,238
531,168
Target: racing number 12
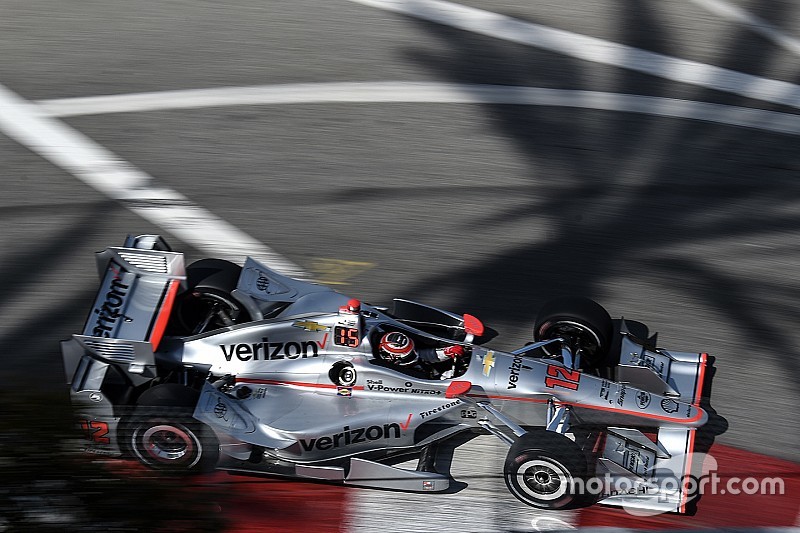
559,376
95,431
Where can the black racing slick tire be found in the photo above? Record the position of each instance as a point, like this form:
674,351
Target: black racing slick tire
162,434
170,440
584,323
546,470
208,303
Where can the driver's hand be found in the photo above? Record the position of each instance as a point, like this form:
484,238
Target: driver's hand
451,352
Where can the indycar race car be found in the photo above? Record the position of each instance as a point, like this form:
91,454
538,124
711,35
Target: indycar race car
240,368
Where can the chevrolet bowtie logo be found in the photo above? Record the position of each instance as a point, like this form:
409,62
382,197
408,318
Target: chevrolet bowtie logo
310,325
488,363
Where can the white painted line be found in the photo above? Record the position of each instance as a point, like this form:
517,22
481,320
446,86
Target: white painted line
102,170
734,13
452,93
594,49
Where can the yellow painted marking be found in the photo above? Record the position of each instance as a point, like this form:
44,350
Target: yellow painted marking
337,271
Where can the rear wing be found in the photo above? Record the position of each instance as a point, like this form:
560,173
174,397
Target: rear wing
139,282
138,287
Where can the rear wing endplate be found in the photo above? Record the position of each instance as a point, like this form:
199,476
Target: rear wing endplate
136,293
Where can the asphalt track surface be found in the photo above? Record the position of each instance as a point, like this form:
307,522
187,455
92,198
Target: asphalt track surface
666,211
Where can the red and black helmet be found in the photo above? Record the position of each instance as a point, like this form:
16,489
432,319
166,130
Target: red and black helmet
397,348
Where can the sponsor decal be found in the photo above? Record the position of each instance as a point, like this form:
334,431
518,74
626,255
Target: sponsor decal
270,351
350,436
469,413
513,377
488,363
428,485
261,392
637,462
605,388
439,409
96,397
623,389
658,368
310,325
407,388
262,283
638,489
111,310
669,405
100,451
643,399
220,410
407,423
344,391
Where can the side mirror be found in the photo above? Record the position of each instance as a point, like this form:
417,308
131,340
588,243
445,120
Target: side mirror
457,388
473,327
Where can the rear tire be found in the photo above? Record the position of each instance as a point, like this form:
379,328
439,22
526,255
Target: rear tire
208,303
162,434
546,470
172,441
584,323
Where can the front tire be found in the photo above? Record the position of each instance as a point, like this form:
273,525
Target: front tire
584,323
546,470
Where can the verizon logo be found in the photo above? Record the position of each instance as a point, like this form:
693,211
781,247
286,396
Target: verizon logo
270,351
352,436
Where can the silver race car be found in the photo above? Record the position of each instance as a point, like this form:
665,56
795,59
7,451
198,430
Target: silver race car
240,368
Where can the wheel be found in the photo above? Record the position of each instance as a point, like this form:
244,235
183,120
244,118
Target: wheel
208,303
583,323
172,441
163,435
546,470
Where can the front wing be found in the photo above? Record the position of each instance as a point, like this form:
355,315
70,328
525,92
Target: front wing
637,472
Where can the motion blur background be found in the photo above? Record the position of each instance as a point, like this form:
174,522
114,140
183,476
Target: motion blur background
688,226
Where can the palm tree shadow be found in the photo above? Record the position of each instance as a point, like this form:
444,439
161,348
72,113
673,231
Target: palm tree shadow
36,340
622,195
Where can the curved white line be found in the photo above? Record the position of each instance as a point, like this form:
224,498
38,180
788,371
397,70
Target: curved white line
734,13
594,49
450,93
109,174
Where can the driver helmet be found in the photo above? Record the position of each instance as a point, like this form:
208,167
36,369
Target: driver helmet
397,348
